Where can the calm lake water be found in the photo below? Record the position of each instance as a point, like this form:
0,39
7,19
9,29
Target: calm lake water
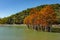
22,33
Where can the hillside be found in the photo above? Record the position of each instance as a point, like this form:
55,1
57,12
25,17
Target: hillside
19,17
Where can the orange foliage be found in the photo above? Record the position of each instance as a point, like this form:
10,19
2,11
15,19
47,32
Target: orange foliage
43,17
47,15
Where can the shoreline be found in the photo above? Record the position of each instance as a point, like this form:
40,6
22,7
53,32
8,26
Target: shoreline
12,25
2,25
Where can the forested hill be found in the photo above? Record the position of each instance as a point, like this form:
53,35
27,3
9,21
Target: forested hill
19,17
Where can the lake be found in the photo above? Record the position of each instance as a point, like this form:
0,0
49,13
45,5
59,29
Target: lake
22,33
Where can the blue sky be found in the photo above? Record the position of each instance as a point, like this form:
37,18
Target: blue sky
9,7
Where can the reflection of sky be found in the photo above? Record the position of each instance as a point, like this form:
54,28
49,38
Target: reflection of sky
9,7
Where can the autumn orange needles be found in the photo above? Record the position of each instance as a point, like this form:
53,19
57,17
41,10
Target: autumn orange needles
45,17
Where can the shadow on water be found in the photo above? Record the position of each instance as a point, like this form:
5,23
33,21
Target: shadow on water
55,30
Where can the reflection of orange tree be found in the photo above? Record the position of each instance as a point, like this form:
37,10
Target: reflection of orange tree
42,19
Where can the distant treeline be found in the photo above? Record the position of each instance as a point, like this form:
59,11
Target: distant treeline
19,17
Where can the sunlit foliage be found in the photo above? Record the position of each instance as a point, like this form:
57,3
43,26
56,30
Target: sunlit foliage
44,17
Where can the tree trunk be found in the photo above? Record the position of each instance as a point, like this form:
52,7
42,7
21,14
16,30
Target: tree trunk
28,26
36,28
45,28
48,28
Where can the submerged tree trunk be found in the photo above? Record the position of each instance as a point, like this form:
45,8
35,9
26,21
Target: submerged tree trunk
33,27
40,27
28,26
48,28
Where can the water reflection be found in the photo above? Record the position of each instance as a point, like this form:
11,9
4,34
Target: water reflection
22,33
